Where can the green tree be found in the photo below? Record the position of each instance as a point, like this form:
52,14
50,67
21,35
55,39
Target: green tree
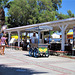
24,12
65,16
3,3
70,14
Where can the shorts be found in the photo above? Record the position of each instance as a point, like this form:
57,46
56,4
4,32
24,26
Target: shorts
3,44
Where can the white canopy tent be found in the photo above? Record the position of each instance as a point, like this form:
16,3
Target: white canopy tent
55,35
59,25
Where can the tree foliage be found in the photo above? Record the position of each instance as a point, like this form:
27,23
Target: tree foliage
24,12
65,16
3,3
70,14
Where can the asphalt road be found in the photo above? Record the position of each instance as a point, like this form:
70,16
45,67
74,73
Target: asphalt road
16,62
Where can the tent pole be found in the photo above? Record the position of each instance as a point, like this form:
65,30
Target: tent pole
21,36
18,38
49,36
63,28
9,33
38,36
63,39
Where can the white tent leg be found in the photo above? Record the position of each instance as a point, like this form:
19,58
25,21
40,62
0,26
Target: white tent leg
21,36
63,28
18,38
9,33
38,37
63,39
66,31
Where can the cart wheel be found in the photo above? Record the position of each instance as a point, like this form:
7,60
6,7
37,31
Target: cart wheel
47,55
35,53
30,52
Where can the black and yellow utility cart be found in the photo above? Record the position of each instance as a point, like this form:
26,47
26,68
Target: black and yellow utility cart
40,48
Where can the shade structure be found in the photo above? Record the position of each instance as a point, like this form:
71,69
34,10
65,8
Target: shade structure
41,28
55,24
59,25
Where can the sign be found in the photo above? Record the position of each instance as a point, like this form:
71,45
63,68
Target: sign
43,49
74,32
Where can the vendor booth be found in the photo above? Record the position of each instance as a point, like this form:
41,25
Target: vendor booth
37,45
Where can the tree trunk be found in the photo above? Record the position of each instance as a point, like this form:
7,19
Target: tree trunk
2,17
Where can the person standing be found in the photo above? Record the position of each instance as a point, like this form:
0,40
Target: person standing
1,51
3,42
1,34
33,38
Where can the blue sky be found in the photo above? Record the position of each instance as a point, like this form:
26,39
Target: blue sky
67,5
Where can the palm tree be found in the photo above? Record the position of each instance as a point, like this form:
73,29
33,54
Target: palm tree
3,3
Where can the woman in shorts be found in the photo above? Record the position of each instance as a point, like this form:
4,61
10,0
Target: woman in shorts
3,42
1,51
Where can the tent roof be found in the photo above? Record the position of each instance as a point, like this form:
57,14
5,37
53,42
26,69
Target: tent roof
55,35
70,33
54,24
41,28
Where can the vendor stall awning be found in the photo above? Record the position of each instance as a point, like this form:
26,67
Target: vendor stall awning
70,33
55,35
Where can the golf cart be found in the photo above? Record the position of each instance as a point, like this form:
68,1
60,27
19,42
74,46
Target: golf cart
39,48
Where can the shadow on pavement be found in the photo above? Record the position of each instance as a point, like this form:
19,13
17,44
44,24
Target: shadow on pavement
4,70
34,57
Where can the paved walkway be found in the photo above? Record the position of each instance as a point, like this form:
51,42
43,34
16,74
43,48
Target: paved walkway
19,63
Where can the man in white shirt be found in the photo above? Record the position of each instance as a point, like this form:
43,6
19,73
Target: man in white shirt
33,38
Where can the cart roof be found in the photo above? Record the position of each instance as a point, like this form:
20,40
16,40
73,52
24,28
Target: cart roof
41,28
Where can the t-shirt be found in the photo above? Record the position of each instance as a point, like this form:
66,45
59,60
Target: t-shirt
3,40
34,39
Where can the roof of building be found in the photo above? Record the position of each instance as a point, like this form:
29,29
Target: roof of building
55,24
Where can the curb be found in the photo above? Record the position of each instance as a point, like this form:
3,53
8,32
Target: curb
68,57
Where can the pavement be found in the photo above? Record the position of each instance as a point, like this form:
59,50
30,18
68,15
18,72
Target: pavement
16,62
